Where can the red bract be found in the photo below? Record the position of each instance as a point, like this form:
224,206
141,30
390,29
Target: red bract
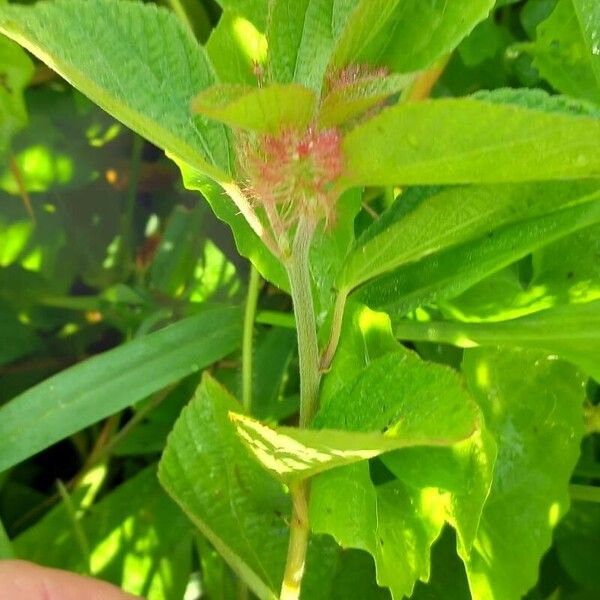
291,174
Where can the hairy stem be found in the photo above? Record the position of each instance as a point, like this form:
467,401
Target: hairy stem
308,353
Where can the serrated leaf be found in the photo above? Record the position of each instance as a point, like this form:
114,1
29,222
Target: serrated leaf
532,405
425,221
480,142
267,109
105,384
236,505
390,32
450,272
293,454
572,331
138,62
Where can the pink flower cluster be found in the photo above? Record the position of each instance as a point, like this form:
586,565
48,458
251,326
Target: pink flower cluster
292,173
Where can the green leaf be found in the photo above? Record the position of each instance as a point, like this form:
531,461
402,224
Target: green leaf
480,142
566,51
253,10
16,69
6,550
533,406
302,35
138,62
236,505
572,331
266,109
293,454
105,384
247,241
395,524
425,221
136,537
450,272
391,32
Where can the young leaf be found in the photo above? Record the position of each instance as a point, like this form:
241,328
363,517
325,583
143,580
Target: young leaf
236,505
572,331
138,62
450,272
105,384
425,221
532,405
480,142
390,32
267,109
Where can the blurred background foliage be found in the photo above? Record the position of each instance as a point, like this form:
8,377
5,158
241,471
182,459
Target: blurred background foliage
100,244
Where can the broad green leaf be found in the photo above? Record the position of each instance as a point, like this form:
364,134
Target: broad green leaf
136,61
105,384
532,405
425,221
236,49
247,241
572,331
399,394
236,505
16,70
566,51
302,35
480,142
355,578
136,537
394,523
267,109
293,454
391,32
450,272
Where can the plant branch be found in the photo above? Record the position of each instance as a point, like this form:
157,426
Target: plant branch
308,354
254,285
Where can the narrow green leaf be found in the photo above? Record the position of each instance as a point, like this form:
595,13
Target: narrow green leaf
450,272
480,142
138,62
236,505
105,384
293,454
425,221
532,405
572,331
391,32
267,109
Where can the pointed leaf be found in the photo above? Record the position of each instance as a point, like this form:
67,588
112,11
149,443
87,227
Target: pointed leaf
105,384
138,62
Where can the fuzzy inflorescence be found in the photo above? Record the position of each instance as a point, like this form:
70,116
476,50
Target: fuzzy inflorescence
291,175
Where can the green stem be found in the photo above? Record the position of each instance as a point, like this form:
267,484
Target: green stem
249,319
336,330
308,354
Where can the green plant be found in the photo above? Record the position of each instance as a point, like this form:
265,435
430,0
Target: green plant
487,240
